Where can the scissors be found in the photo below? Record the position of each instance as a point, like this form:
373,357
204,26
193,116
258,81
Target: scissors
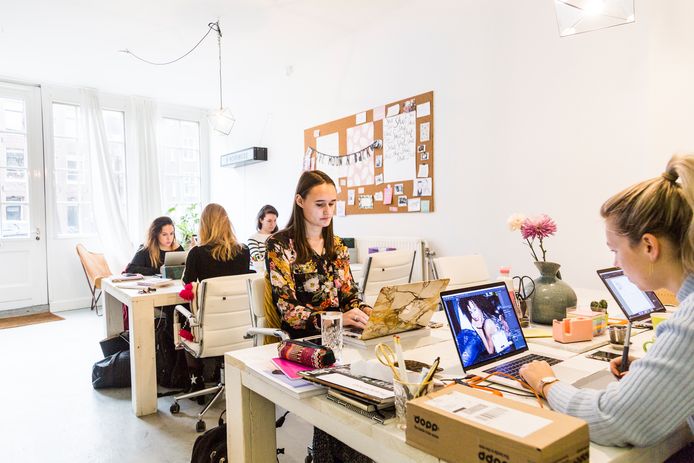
522,283
386,355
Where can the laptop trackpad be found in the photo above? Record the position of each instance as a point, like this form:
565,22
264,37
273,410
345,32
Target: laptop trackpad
598,380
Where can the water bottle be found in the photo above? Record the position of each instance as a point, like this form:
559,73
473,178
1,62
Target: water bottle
505,276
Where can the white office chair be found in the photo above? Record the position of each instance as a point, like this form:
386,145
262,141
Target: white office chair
264,325
462,270
386,269
218,319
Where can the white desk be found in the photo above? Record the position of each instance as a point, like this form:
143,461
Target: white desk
251,400
143,372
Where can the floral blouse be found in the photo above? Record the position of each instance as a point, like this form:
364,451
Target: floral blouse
302,291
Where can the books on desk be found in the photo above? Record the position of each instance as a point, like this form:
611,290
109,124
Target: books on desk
126,277
155,282
383,414
340,378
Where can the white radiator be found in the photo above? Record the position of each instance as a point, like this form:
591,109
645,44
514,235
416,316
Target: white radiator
416,244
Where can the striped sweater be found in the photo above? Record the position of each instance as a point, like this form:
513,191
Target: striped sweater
654,399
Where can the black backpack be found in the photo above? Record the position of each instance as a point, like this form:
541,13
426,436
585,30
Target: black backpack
172,371
113,371
211,447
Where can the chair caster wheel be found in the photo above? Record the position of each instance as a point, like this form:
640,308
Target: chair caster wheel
174,408
200,426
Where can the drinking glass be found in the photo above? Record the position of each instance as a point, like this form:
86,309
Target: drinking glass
331,333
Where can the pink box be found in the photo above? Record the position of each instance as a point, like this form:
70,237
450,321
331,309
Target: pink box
599,319
572,329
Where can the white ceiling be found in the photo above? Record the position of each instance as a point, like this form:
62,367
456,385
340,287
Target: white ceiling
75,42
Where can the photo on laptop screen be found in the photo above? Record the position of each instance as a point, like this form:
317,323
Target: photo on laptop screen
635,303
483,322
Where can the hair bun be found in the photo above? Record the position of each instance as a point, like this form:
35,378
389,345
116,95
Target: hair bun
671,177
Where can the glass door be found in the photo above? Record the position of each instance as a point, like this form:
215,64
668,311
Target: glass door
23,279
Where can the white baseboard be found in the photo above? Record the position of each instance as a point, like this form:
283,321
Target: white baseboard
70,304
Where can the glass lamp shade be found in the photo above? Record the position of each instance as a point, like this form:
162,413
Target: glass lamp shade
221,120
577,16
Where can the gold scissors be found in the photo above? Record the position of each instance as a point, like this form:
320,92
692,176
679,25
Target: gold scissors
386,355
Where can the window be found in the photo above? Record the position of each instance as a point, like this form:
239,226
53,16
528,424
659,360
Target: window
14,180
73,194
114,122
179,144
72,167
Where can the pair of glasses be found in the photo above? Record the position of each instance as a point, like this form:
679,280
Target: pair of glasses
147,290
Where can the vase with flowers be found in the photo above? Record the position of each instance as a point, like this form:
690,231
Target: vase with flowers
552,296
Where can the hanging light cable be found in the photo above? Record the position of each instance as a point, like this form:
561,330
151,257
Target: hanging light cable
221,120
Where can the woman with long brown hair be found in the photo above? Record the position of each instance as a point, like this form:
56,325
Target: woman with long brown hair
309,272
309,266
160,239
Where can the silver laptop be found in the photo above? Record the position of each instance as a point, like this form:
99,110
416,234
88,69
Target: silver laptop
173,258
488,336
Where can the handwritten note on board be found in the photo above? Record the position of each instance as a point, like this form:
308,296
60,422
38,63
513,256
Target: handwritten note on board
399,140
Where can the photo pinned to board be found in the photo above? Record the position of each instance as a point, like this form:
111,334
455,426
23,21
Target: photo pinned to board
399,189
413,205
393,110
343,181
341,209
424,156
402,201
423,170
424,131
379,160
366,202
421,148
379,179
408,106
422,187
350,197
423,109
378,196
424,206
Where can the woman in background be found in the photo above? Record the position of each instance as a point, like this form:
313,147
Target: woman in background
266,225
160,239
309,272
650,231
219,252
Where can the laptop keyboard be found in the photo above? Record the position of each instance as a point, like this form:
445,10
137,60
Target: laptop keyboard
512,367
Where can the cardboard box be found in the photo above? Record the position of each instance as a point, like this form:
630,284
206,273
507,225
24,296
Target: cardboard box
460,424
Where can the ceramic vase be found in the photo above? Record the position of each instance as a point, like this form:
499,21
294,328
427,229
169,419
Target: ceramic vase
552,297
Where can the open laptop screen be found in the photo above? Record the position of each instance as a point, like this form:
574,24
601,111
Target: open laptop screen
484,325
635,304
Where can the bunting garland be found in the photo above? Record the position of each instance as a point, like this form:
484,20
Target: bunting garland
341,159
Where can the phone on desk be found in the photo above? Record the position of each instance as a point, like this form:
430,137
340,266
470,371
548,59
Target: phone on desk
604,356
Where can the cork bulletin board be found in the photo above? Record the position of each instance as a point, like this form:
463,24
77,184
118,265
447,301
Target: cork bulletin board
382,159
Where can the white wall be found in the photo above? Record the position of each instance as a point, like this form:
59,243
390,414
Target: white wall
525,121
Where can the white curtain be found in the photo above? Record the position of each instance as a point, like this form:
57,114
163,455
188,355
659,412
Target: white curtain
109,218
150,206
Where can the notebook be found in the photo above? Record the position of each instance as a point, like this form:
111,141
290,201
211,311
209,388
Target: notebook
634,303
401,308
486,310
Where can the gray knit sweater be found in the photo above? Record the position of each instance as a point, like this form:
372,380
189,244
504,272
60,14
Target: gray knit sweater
654,399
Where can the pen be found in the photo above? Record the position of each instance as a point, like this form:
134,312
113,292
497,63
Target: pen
625,352
401,357
429,375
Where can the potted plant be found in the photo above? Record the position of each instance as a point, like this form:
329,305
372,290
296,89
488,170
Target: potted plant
187,220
